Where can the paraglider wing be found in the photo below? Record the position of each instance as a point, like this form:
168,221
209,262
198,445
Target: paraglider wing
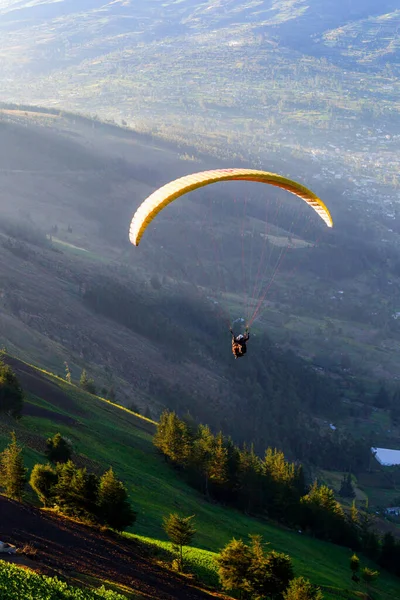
149,209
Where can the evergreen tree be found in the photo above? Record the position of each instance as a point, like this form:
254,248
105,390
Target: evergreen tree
249,480
13,474
233,565
173,438
43,480
11,393
218,463
346,487
355,567
83,381
268,575
301,589
58,450
202,453
284,481
159,438
68,376
325,516
180,531
114,507
87,384
177,442
354,514
76,491
232,471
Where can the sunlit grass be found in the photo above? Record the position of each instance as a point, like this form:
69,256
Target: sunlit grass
107,434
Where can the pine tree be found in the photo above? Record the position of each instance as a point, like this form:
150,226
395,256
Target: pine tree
285,482
249,479
58,450
301,589
354,514
86,383
68,376
346,487
218,463
83,381
13,474
75,492
268,575
325,516
355,567
113,503
63,491
177,440
180,531
173,439
11,393
159,438
43,480
233,565
203,448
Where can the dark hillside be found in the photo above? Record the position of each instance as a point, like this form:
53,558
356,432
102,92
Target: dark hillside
66,548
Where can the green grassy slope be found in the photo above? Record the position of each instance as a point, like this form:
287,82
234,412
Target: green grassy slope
18,584
104,434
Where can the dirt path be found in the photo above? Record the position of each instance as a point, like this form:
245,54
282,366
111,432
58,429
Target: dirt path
66,547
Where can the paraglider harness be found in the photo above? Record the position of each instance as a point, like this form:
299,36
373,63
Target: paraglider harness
239,348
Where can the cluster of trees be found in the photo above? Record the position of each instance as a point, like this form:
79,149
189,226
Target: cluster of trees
365,574
270,486
88,385
272,400
255,574
237,476
72,490
246,569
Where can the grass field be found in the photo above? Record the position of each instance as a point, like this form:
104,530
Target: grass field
104,434
20,584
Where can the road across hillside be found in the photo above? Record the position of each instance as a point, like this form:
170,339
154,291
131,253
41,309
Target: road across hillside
64,547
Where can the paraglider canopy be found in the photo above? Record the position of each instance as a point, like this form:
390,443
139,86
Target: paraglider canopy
149,209
261,242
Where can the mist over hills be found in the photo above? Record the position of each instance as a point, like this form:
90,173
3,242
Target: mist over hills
235,78
313,25
266,83
74,290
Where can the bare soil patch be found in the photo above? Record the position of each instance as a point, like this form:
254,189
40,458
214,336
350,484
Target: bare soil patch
65,547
